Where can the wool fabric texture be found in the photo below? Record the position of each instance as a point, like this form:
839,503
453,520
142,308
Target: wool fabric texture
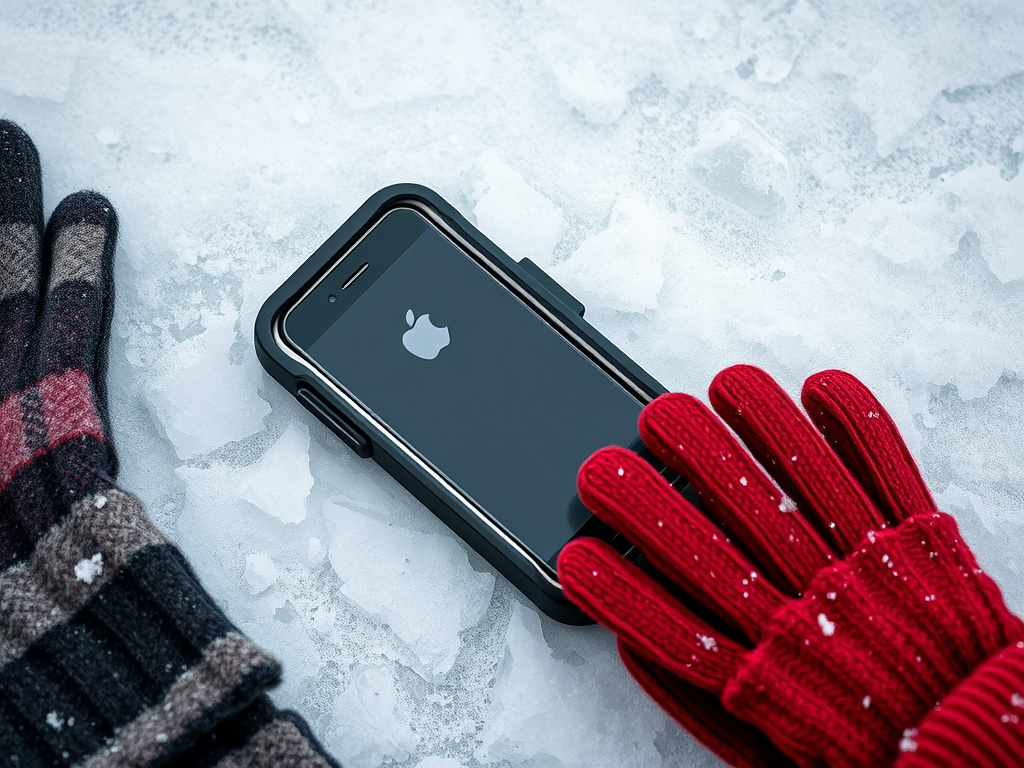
111,652
819,609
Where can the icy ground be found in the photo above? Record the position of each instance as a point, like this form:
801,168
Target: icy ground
795,184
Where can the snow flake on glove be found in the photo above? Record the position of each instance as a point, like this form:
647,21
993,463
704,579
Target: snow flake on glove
88,568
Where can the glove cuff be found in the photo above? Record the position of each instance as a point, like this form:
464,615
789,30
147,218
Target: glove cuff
875,641
110,650
980,724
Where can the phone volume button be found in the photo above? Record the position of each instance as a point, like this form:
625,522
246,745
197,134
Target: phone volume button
349,433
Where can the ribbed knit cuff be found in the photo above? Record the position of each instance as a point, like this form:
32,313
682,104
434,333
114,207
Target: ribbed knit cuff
260,736
873,643
111,653
980,724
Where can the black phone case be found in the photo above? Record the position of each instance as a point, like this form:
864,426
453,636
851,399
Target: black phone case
359,434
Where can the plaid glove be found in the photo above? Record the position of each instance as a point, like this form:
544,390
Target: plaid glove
843,622
111,653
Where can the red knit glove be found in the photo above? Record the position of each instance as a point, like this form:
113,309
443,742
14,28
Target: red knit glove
845,623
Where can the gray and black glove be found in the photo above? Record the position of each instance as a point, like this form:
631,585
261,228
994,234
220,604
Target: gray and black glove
111,653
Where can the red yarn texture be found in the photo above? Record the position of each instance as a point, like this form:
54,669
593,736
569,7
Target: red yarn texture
981,723
844,607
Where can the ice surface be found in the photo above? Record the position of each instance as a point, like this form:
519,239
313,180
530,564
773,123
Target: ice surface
774,34
439,762
433,593
540,703
372,697
621,266
44,64
200,403
260,572
793,184
511,212
280,481
739,163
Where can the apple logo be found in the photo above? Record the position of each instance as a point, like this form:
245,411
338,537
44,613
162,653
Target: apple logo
424,339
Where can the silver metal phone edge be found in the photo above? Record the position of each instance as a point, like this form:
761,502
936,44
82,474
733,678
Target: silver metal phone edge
290,349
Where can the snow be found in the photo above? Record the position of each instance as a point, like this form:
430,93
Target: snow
88,568
709,643
315,551
786,504
791,184
907,743
828,628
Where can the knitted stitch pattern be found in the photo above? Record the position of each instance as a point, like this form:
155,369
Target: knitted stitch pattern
820,607
111,653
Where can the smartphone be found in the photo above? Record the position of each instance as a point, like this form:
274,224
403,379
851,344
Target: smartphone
469,377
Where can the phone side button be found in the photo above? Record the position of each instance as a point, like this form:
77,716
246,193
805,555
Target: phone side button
552,286
349,433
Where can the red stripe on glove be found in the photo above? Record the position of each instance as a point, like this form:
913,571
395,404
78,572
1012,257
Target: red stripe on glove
61,404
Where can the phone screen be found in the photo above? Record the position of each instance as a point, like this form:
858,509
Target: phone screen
467,374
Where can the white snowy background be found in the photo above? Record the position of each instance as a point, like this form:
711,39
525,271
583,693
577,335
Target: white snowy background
794,184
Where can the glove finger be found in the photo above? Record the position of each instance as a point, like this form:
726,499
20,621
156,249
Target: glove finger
685,435
73,335
782,439
21,229
628,494
621,597
865,437
703,716
75,326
